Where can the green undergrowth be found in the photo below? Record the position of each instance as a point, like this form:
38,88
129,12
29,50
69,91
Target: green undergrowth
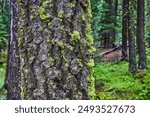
113,81
2,78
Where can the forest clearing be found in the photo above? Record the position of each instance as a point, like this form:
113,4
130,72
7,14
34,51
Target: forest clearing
75,50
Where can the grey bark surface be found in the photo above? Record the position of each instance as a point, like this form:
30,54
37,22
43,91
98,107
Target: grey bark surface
124,28
140,35
132,52
54,43
13,71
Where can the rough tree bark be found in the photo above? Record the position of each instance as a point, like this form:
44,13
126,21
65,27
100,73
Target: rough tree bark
55,50
140,35
116,14
124,28
132,53
13,67
148,18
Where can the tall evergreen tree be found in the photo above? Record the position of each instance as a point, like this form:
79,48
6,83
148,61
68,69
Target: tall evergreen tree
51,50
147,3
108,22
124,28
132,53
140,35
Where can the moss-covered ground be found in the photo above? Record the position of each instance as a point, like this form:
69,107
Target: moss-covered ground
114,81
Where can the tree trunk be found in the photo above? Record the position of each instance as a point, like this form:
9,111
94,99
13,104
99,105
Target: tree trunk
148,18
55,48
124,28
108,30
12,83
115,14
116,9
140,35
132,55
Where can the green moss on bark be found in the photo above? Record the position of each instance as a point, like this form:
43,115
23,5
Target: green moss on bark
42,13
75,35
90,63
56,50
60,14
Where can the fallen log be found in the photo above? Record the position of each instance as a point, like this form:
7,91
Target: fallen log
111,50
109,54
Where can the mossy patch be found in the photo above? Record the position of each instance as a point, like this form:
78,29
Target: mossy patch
92,50
75,35
118,83
42,13
91,87
60,14
91,63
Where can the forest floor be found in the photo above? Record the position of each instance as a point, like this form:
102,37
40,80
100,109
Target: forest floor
113,81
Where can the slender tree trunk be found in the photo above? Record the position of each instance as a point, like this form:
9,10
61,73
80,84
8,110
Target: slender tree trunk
148,26
13,64
116,14
132,55
55,48
124,28
116,7
140,35
108,32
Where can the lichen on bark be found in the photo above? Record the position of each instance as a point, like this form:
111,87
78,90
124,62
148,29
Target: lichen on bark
56,49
